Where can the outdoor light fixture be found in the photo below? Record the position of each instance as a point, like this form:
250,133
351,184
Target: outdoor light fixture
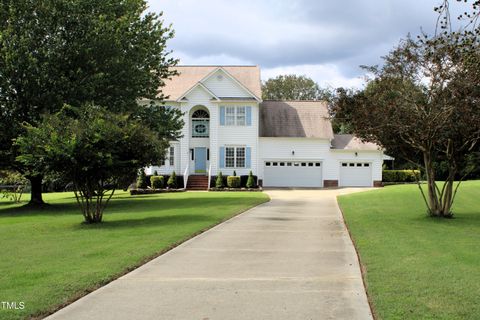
356,154
293,152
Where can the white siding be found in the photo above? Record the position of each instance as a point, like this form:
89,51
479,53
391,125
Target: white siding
222,85
237,136
167,168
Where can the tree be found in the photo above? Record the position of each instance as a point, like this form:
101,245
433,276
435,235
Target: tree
98,150
424,104
293,87
55,52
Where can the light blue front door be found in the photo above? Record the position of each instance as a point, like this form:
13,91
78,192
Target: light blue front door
200,160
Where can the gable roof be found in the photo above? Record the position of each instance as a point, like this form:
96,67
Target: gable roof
189,76
303,119
350,142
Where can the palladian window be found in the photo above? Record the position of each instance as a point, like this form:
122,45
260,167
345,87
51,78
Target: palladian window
200,124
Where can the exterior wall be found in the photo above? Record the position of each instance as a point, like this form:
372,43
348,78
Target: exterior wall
167,168
237,136
374,157
222,85
316,149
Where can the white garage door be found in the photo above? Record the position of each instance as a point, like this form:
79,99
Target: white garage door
355,174
292,174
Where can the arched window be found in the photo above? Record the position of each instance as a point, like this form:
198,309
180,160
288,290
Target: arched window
200,124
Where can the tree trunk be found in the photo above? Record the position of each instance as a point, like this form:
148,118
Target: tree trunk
36,198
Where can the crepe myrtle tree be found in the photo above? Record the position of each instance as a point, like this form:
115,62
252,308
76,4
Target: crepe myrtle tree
98,150
53,52
424,104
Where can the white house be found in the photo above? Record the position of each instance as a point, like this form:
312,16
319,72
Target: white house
285,143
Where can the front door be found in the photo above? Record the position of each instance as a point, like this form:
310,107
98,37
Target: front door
200,160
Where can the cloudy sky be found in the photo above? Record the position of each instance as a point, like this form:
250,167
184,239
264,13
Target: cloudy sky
326,40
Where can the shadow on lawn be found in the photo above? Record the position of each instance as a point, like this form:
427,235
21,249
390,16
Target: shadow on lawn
127,205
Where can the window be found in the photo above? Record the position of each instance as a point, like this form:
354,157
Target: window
310,164
366,164
229,157
275,164
172,156
230,116
236,116
351,164
200,124
304,164
241,116
289,164
344,164
317,164
235,157
359,164
267,164
282,164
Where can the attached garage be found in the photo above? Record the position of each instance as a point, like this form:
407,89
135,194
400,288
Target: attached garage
355,174
293,174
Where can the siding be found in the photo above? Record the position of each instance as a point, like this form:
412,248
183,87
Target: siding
225,86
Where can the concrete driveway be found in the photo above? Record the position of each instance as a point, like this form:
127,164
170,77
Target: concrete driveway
290,258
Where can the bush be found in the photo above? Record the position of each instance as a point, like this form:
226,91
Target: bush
156,182
250,181
244,180
13,185
400,175
219,181
172,181
142,182
233,182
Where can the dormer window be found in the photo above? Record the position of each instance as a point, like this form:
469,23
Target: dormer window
200,124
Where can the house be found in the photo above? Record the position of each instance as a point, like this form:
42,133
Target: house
285,143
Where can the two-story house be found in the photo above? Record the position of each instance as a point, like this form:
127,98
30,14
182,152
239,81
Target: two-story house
285,143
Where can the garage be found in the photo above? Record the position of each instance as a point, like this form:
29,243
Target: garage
355,174
293,174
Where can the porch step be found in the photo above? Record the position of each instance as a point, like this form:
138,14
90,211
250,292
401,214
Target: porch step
197,183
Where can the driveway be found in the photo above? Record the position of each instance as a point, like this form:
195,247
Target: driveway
290,258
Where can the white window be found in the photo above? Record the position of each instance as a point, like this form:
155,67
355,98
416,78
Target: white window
235,157
230,116
241,116
172,156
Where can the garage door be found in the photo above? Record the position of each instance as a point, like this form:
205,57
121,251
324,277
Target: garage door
355,174
292,174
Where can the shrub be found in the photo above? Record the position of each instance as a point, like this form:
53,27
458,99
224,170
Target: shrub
233,182
250,181
219,181
142,182
244,180
234,173
156,182
14,185
400,175
172,181
155,173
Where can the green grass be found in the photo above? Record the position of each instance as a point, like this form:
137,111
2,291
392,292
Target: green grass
48,256
417,267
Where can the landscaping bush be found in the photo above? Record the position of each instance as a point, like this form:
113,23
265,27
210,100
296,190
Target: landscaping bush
400,175
172,181
156,182
244,181
233,182
219,183
142,182
12,185
250,181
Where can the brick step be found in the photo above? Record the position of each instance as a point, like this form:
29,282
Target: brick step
197,183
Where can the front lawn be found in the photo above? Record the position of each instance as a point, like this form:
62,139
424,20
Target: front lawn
48,256
417,267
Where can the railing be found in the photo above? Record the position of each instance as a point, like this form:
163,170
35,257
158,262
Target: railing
209,176
185,177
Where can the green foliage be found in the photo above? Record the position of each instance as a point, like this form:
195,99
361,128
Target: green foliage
12,185
172,181
155,173
233,182
106,52
400,175
157,182
293,87
97,150
219,181
250,181
142,182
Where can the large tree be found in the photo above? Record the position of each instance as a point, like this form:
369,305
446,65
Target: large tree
293,87
55,52
98,150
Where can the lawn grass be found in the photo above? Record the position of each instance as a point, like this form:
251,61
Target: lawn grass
48,256
417,267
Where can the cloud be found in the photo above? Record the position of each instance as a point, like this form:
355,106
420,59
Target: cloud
333,36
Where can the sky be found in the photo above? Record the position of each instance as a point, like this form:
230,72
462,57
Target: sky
325,40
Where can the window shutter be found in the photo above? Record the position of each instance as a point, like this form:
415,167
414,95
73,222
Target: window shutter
222,157
222,116
248,157
249,115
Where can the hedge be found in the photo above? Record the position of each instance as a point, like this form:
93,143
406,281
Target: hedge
233,182
400,175
157,182
243,181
